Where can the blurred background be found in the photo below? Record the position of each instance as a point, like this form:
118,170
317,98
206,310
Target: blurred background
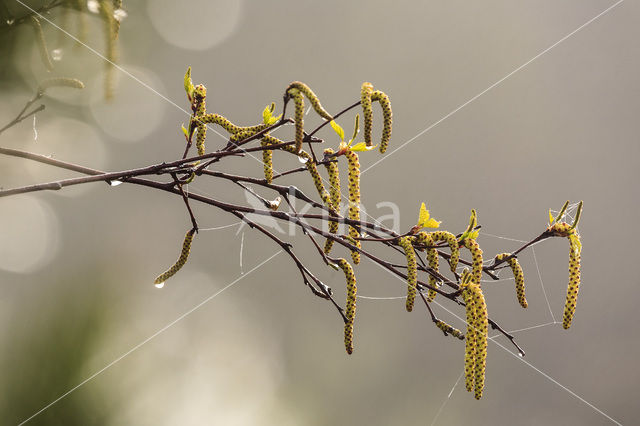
77,300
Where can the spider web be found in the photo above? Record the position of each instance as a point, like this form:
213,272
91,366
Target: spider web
570,216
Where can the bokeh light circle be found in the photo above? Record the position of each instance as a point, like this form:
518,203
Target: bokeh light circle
195,25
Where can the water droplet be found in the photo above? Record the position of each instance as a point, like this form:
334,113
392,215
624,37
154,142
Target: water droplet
520,355
56,54
119,14
10,21
160,285
116,183
303,160
93,6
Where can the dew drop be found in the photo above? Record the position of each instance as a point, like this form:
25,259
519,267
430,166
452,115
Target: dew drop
93,6
10,21
116,183
119,14
303,160
56,54
520,355
160,285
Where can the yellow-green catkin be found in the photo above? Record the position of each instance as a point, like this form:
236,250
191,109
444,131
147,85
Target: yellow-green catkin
184,255
296,90
267,156
482,328
242,135
313,99
412,270
426,239
267,160
354,199
199,99
335,195
221,121
476,258
315,175
298,101
470,346
350,308
575,251
367,110
42,44
447,329
518,276
387,114
452,241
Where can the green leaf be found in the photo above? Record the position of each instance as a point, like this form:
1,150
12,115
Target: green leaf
550,218
336,127
356,128
274,120
424,218
188,84
185,131
334,266
361,146
266,115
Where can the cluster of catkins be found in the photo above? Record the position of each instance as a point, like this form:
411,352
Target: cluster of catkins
469,282
109,11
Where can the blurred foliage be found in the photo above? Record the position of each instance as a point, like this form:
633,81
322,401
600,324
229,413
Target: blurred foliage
46,354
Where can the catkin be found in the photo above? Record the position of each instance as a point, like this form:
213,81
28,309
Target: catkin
42,44
518,276
367,110
563,229
481,326
426,239
315,175
267,160
470,346
476,259
447,329
59,81
350,308
335,195
106,12
313,99
354,199
184,255
199,101
412,270
452,241
387,114
298,100
221,121
574,281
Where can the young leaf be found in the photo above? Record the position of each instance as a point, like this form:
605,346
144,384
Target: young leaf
550,218
273,120
336,127
185,131
424,218
356,128
266,115
473,222
188,84
361,146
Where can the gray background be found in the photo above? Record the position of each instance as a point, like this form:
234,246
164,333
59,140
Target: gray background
266,351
